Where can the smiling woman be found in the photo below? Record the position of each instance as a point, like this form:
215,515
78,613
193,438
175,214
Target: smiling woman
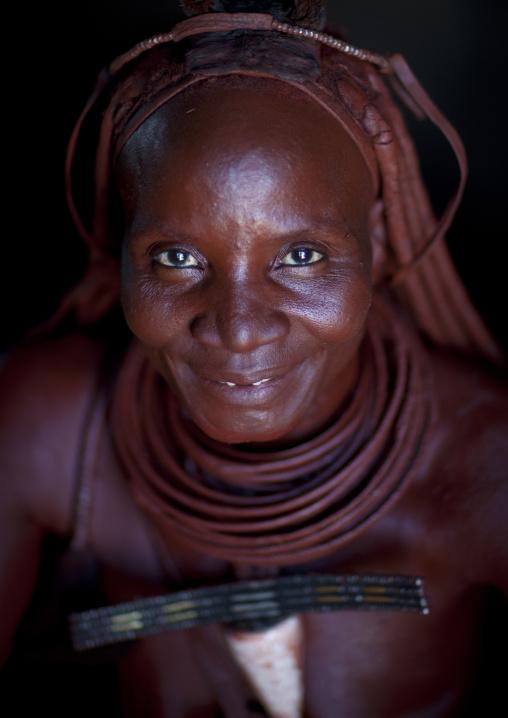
288,470
252,301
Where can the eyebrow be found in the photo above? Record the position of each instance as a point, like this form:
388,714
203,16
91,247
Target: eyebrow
151,232
167,231
152,229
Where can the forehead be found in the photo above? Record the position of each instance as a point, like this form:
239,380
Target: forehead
239,121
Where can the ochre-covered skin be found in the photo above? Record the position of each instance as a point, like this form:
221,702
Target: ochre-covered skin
242,183
238,196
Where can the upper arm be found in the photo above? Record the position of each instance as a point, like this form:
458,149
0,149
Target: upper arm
485,493
493,509
45,392
471,469
20,549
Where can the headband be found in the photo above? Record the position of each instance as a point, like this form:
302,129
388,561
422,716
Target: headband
394,67
348,82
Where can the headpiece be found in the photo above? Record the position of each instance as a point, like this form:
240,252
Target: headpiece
354,85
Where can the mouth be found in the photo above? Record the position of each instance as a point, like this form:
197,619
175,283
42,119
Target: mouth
254,383
256,404
248,387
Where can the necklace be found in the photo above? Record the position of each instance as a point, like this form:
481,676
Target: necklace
290,506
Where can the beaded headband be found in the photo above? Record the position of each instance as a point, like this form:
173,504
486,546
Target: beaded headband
426,279
227,22
222,22
394,67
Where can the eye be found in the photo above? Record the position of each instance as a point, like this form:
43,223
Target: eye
301,257
176,258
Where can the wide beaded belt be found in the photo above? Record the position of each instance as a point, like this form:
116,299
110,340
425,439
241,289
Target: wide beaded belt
247,605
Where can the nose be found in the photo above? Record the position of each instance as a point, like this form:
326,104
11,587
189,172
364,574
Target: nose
239,318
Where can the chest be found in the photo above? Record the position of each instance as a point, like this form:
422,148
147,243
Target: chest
345,663
352,663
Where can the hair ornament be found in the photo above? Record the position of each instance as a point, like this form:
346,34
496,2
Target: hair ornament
355,85
226,22
402,82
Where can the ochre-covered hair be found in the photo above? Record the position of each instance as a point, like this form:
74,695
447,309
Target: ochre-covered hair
285,41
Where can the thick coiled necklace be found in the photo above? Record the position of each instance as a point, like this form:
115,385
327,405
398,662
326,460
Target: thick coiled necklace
290,506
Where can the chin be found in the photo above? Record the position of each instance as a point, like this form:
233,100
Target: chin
254,429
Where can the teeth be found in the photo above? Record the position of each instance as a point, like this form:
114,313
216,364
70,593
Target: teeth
256,383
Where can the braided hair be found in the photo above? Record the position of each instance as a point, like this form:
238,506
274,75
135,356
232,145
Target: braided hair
284,39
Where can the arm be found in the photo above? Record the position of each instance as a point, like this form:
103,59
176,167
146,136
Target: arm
45,392
472,451
20,548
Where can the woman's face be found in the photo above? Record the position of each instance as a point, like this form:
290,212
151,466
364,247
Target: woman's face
246,270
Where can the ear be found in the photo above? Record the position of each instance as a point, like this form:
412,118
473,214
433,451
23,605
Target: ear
378,241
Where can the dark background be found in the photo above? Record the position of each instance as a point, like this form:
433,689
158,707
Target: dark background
457,48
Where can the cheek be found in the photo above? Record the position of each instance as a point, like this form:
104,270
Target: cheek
152,311
336,307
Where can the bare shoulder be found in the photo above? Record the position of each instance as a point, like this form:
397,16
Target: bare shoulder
470,462
46,390
472,401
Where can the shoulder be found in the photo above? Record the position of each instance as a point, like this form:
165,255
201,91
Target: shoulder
471,401
46,390
469,463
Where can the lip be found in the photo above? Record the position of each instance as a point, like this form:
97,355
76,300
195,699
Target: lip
244,389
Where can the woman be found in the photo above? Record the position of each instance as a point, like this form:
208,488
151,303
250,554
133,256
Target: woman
292,431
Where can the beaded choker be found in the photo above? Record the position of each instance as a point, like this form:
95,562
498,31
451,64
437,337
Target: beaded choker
248,605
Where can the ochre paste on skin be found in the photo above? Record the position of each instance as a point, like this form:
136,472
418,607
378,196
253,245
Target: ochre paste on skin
382,458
